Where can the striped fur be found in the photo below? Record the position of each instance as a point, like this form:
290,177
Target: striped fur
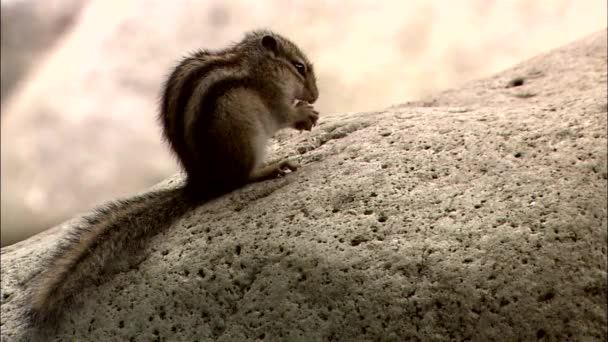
215,105
218,110
113,234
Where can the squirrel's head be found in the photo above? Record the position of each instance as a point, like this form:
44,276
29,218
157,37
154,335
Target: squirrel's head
286,62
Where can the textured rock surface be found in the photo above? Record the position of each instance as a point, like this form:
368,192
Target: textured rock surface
80,129
477,214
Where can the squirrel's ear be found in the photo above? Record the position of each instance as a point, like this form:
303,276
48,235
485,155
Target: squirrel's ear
270,44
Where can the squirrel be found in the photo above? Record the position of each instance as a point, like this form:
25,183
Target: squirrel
218,109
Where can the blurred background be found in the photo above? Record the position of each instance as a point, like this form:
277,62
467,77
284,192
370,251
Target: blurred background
81,78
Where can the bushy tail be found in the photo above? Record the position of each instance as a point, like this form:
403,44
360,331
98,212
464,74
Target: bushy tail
98,246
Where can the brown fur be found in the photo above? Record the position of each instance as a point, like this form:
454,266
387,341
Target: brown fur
113,232
219,106
218,109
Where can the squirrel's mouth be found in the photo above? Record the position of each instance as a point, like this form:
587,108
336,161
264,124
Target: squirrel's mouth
305,95
310,98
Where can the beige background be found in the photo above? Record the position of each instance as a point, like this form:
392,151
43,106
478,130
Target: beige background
78,126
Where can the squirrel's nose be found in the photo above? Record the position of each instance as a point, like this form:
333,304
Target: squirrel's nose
312,94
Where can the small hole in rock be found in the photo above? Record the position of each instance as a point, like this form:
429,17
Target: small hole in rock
541,333
516,82
546,296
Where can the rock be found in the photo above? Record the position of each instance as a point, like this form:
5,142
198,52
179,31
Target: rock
81,128
477,214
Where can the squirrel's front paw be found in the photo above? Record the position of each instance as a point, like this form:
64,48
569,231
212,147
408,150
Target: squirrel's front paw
306,117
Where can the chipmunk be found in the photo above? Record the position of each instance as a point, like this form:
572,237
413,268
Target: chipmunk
218,110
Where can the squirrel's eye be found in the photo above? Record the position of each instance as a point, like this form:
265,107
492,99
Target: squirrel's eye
300,67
